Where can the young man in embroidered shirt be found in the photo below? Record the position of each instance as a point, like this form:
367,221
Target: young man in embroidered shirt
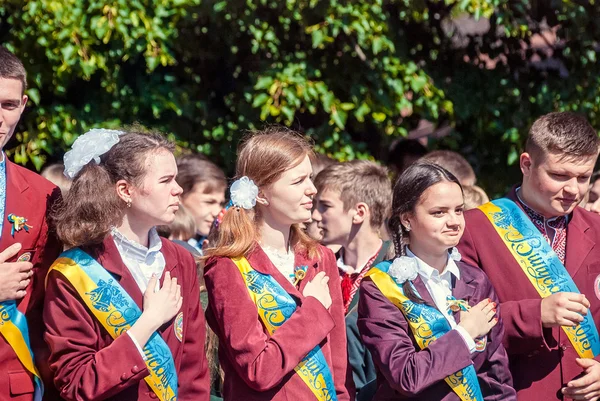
352,203
27,247
538,233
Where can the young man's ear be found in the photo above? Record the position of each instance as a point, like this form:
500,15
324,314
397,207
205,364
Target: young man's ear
526,163
362,213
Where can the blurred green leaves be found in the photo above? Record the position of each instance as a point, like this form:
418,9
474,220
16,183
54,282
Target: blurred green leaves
352,74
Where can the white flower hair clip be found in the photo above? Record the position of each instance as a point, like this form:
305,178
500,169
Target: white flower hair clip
403,268
243,193
455,255
87,147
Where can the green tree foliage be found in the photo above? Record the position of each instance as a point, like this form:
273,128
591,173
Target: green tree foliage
353,74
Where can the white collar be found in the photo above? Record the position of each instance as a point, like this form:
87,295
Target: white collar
428,272
136,251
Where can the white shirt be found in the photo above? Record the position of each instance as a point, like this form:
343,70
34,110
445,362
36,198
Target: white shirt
439,286
142,263
284,262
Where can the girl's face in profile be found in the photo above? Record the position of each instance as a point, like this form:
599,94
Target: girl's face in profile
156,201
437,223
290,198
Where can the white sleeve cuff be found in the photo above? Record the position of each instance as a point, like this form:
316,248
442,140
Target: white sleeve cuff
466,338
137,345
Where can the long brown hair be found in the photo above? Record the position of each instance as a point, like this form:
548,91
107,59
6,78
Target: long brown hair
263,157
92,207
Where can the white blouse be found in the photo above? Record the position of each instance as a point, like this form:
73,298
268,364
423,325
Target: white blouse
439,286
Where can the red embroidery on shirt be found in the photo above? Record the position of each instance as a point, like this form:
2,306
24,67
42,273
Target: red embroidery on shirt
351,282
558,224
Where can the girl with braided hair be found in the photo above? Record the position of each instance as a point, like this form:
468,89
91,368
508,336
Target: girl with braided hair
429,320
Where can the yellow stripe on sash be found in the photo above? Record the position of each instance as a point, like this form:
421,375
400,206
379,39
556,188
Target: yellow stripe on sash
421,331
534,264
14,338
313,369
83,284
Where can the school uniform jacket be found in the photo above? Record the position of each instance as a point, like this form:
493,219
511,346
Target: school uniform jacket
89,365
541,360
30,196
259,366
407,373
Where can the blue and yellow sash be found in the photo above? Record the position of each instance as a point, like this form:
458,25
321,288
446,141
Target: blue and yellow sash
13,327
427,325
117,312
541,265
275,306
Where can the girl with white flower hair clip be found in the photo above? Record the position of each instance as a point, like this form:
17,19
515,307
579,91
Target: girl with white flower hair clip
274,293
429,320
121,310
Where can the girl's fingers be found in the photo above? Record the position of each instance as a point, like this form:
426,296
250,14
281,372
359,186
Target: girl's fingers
178,292
152,284
174,285
167,281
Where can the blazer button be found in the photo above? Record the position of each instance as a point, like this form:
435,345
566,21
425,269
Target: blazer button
124,377
153,395
135,369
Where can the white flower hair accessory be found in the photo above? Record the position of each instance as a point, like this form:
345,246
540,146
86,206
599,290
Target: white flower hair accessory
89,146
243,193
455,255
403,268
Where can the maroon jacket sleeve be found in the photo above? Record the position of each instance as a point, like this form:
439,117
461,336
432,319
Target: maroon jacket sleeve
260,360
495,370
342,371
386,334
193,376
82,372
523,318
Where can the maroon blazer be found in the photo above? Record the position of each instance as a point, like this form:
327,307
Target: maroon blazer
31,196
541,360
89,365
259,366
406,373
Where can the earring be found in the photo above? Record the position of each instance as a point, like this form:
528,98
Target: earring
128,202
407,228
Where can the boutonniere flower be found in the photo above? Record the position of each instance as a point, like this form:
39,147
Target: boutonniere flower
403,268
18,224
455,255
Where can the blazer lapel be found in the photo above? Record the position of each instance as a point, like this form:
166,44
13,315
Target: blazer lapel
463,289
109,257
579,245
423,292
16,203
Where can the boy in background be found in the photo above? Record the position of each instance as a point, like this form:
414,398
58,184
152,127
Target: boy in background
352,203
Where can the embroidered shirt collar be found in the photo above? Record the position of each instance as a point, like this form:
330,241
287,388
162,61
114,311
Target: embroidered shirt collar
428,272
136,251
533,215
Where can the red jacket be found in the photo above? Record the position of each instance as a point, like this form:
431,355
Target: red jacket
541,360
259,366
89,365
30,196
